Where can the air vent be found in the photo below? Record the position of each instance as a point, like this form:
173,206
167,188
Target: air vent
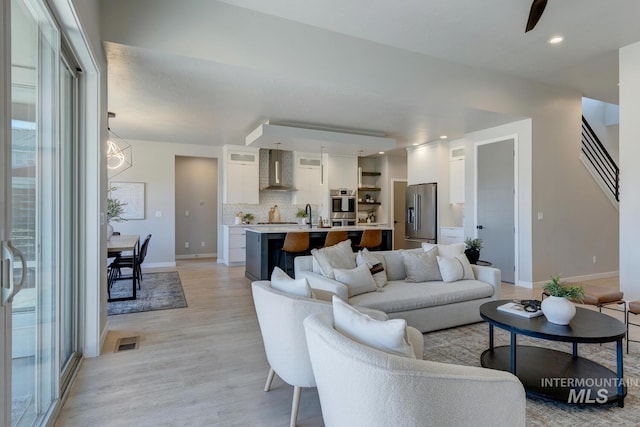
127,343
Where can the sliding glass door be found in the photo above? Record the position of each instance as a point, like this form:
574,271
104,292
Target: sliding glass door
39,313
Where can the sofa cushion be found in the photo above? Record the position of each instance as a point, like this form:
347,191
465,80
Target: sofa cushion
371,259
282,282
447,251
386,335
394,265
337,256
456,268
358,280
421,266
399,295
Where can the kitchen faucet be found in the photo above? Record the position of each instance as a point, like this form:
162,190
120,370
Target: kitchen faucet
307,211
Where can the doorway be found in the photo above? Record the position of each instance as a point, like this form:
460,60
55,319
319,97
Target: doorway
495,204
399,195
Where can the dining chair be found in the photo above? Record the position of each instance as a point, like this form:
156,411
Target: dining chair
128,261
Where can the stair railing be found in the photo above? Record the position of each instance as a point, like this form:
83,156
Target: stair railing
598,156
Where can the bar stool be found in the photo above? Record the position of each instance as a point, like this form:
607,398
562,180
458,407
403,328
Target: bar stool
371,239
601,297
334,237
633,307
295,243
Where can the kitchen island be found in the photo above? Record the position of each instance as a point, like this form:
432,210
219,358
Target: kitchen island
264,243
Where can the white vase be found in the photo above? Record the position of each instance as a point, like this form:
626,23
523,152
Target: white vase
558,310
109,230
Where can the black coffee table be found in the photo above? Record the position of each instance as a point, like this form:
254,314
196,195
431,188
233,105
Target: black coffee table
555,374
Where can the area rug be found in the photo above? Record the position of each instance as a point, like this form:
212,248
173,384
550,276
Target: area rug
159,291
464,345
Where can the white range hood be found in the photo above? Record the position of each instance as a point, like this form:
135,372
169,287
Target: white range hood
293,138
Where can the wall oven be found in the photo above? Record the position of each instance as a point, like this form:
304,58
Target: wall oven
343,207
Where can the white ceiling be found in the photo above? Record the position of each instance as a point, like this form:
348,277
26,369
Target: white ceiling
158,95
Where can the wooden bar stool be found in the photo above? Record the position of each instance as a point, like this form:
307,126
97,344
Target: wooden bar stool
633,307
334,237
601,297
295,243
371,239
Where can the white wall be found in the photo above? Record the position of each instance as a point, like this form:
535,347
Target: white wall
629,171
154,164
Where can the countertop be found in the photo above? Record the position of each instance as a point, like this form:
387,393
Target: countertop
286,228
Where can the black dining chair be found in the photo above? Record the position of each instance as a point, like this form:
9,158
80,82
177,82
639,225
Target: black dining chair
127,261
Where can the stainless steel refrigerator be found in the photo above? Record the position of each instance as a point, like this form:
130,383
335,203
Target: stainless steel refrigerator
421,215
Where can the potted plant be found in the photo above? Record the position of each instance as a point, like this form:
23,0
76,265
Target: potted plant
115,209
472,250
248,217
302,215
557,307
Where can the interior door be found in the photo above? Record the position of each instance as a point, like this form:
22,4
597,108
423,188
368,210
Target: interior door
31,213
495,205
399,206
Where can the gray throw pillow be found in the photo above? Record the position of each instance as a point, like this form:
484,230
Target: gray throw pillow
421,267
336,256
380,274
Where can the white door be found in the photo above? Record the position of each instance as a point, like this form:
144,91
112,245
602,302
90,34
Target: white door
495,221
38,310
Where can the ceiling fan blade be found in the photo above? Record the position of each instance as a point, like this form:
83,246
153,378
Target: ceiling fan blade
537,7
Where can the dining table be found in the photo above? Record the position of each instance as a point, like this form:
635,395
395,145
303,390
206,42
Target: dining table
119,244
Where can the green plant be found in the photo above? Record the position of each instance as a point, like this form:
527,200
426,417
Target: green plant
115,208
556,288
248,217
301,213
473,243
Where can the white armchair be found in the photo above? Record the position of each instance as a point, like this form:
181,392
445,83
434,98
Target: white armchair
280,316
361,386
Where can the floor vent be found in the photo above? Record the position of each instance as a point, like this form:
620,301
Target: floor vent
127,343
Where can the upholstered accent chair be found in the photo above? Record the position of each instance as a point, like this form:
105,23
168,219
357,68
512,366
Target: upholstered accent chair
280,316
362,386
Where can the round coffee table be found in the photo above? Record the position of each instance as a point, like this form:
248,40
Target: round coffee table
554,374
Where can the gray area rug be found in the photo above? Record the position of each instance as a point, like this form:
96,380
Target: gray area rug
464,345
159,291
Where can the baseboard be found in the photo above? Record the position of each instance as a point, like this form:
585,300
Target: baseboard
197,256
574,279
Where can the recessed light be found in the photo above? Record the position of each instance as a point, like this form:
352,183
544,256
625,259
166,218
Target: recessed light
415,143
555,40
443,137
380,152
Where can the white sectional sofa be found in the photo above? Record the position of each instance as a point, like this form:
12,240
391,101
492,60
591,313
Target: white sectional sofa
427,306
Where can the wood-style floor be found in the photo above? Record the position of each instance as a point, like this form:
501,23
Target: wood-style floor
203,365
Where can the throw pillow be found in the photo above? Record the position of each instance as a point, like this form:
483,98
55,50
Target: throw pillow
376,266
358,280
421,267
282,282
456,268
336,256
386,335
447,251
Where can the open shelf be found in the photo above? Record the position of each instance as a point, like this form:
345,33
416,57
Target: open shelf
369,189
370,173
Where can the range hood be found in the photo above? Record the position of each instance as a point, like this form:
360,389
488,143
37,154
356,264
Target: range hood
275,172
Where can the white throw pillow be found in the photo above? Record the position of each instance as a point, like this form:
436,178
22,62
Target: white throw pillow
358,280
282,282
366,257
421,266
387,335
447,251
336,256
456,268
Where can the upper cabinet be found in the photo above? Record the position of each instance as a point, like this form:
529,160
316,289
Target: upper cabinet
456,175
241,175
342,172
307,179
422,164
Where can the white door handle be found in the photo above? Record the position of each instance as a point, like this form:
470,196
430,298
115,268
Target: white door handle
9,288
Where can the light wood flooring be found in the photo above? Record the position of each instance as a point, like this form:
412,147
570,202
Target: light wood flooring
203,365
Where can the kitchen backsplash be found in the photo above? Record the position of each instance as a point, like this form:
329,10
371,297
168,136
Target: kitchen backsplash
261,212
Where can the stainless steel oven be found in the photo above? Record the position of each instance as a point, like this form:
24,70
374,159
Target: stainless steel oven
343,206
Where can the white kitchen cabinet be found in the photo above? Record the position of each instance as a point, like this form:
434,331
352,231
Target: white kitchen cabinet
241,176
343,172
449,235
307,180
456,181
234,245
422,164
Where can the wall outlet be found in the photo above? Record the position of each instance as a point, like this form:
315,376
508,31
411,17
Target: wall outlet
158,214
186,245
186,213
594,259
540,216
202,244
